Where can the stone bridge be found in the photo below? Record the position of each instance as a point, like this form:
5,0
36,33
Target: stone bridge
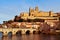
5,31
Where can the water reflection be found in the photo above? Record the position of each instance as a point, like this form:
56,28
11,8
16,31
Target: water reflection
10,34
1,34
1,38
32,37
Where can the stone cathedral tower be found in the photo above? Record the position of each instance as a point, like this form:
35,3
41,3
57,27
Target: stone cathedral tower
33,11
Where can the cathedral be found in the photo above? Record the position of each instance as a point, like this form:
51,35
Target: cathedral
34,15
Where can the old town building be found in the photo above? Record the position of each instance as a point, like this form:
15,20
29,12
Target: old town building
34,17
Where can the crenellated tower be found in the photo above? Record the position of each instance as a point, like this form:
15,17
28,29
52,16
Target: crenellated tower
31,11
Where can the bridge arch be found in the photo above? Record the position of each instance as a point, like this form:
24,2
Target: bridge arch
19,32
10,33
34,32
28,32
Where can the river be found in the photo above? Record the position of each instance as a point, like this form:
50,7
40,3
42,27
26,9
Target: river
32,37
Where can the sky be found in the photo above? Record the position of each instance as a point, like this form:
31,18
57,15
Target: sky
10,8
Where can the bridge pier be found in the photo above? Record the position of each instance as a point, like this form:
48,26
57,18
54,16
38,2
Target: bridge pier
23,32
5,34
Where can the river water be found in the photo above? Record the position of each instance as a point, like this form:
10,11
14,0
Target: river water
32,37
